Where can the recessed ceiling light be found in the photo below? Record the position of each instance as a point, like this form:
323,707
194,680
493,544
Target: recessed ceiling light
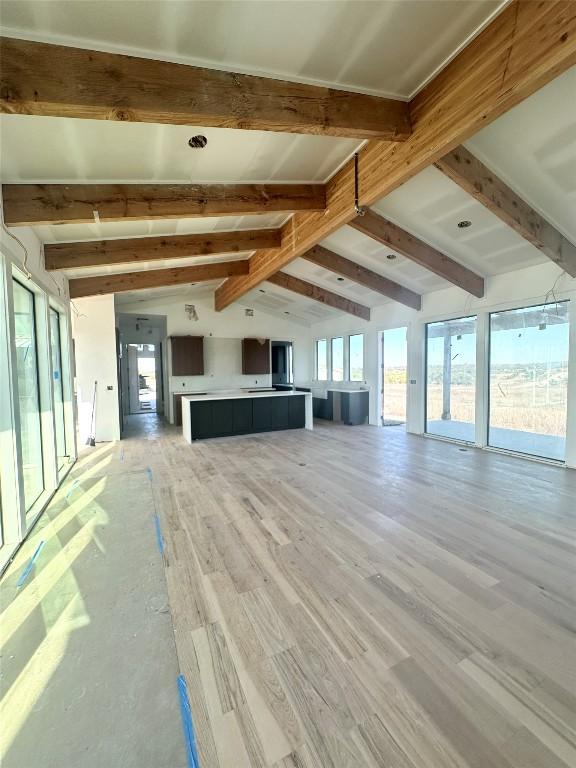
198,142
286,313
340,279
391,256
464,224
261,290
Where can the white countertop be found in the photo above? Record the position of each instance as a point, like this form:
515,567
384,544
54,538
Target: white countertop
348,391
236,395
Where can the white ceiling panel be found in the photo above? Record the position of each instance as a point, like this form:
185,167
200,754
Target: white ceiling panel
67,150
143,266
533,149
186,292
430,206
58,233
356,44
305,270
363,250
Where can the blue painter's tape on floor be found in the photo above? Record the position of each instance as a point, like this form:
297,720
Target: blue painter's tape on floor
26,571
122,455
159,538
74,484
189,737
149,473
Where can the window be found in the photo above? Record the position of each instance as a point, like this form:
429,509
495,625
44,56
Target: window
58,388
529,380
28,393
356,357
451,378
338,359
321,360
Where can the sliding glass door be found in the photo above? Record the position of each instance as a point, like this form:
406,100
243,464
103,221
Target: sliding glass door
28,393
451,378
529,380
58,389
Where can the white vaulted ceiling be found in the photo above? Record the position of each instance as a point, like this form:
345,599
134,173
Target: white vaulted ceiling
356,44
365,46
533,149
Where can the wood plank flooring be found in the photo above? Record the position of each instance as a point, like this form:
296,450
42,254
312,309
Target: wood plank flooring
357,597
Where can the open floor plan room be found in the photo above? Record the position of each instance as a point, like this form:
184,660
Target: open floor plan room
287,384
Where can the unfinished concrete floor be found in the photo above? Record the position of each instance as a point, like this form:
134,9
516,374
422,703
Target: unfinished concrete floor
89,667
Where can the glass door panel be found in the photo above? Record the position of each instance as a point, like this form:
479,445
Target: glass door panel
394,376
451,378
28,393
58,388
529,380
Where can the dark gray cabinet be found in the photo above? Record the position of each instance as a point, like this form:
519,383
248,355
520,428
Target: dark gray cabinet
242,416
279,413
261,413
202,419
222,417
296,412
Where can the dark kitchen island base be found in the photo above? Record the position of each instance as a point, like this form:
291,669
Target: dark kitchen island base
245,415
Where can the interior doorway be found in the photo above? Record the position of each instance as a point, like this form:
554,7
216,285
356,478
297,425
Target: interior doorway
142,366
282,363
394,376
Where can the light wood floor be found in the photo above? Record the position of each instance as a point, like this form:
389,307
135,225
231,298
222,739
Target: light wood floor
359,597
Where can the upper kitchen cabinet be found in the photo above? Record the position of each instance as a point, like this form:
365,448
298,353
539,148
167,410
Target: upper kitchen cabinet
255,356
187,355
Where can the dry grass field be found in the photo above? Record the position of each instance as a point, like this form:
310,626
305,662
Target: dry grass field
532,406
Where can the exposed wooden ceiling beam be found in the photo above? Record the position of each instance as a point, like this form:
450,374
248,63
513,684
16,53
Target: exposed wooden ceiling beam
311,291
154,278
396,238
474,177
32,204
323,257
98,253
523,48
43,79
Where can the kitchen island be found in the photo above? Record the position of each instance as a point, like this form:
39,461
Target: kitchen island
220,414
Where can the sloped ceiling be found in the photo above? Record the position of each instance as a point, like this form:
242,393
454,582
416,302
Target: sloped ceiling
355,44
532,147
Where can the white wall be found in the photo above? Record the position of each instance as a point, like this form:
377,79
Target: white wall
222,333
94,331
521,288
